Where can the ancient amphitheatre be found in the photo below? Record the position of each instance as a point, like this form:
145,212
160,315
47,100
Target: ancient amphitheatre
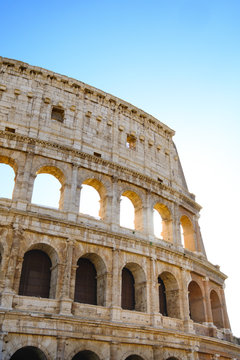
78,287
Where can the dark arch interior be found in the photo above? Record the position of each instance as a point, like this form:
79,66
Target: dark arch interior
162,297
85,355
36,274
134,357
128,290
86,282
196,308
28,353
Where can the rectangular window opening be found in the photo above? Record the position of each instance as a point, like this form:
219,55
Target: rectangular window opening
131,142
57,114
10,129
97,154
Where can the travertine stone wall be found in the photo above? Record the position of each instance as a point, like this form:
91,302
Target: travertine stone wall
89,146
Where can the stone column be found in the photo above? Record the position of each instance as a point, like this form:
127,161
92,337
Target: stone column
24,181
188,323
72,195
115,211
158,352
193,355
2,335
66,301
153,284
209,318
224,310
176,227
116,286
115,348
60,348
8,292
148,217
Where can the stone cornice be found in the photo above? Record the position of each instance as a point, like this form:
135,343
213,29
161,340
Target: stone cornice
202,263
106,163
76,86
166,338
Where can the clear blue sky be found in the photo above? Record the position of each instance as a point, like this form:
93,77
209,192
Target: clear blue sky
179,60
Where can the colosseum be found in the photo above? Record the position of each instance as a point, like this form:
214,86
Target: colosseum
75,286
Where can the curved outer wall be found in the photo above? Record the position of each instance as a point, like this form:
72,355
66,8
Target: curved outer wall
118,149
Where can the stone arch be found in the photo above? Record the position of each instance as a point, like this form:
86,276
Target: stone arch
140,286
188,233
9,161
166,216
134,354
101,189
52,254
216,309
12,164
172,296
196,305
138,208
58,174
29,352
86,355
101,276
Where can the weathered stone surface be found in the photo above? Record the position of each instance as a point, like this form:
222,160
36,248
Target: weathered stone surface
52,124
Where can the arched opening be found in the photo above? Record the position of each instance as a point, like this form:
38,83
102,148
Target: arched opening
131,211
127,213
157,224
48,187
86,282
85,355
162,297
93,199
133,295
196,306
28,353
134,357
91,280
168,295
187,233
89,201
36,274
128,290
216,310
162,222
7,180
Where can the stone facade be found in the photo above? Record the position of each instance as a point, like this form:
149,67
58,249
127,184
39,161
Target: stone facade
53,124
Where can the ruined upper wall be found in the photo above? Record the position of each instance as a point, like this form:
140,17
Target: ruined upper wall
94,122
